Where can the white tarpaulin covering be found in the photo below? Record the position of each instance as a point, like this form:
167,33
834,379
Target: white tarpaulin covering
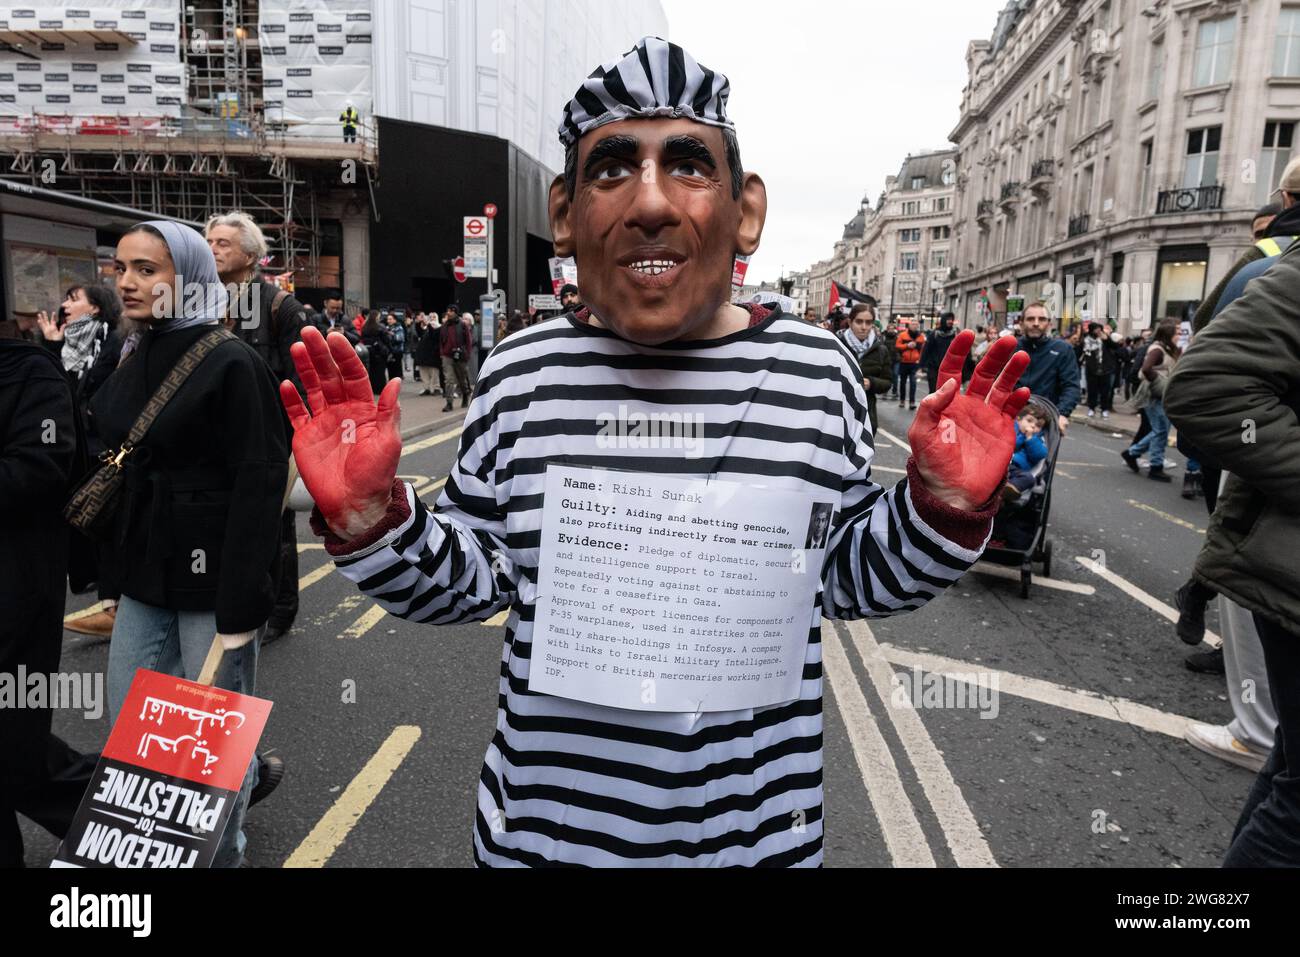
316,58
80,76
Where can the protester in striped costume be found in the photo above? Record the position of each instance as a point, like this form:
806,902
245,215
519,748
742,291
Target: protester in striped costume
655,206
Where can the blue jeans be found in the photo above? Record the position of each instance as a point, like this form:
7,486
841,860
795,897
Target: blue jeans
893,378
1157,440
177,643
907,382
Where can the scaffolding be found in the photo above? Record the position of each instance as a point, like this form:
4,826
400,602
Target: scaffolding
223,58
219,155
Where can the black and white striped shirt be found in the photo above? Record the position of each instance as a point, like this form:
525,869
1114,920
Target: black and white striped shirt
566,782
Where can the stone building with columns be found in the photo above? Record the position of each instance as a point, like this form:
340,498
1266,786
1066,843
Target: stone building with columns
900,251
1111,153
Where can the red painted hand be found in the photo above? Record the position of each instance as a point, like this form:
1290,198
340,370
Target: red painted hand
346,446
963,444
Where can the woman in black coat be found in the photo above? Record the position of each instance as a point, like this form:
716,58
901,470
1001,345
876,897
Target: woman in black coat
873,354
196,536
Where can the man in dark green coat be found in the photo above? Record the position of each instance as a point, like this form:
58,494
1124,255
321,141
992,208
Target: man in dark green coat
1235,395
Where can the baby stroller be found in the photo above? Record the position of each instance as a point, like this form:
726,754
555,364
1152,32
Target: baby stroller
1020,530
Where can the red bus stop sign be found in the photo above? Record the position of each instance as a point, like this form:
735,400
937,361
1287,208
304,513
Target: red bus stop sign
490,210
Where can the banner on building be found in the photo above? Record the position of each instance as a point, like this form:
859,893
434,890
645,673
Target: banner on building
68,71
316,62
167,780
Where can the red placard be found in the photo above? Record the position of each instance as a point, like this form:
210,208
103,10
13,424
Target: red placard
490,210
187,730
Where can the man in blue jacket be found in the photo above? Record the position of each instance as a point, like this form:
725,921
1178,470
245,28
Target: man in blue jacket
1053,371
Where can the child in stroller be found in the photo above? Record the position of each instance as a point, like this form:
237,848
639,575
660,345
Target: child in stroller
1020,528
1023,473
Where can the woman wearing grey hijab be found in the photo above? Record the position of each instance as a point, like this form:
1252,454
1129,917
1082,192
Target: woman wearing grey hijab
197,537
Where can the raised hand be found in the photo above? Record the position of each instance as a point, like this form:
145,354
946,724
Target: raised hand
50,327
346,446
963,444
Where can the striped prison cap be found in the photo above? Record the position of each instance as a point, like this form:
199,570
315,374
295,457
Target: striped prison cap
654,79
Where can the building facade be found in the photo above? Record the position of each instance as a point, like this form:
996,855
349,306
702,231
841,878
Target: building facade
1111,153
907,244
501,67
900,252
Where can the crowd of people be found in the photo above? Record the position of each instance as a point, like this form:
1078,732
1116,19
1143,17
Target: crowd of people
198,399
214,479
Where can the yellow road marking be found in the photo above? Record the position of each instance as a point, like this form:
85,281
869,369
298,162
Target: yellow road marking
1167,517
332,829
373,616
312,577
432,441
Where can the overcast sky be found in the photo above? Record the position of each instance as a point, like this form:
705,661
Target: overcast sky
828,97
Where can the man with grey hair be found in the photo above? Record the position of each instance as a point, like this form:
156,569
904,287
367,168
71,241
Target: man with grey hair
270,320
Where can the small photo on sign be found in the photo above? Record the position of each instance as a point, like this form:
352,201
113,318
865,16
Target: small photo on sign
819,526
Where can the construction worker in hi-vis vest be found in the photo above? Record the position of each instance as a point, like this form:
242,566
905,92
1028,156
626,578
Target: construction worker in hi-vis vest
350,119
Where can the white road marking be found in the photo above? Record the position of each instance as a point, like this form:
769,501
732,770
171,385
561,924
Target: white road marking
332,829
998,571
1128,588
881,468
965,839
899,826
1109,707
895,439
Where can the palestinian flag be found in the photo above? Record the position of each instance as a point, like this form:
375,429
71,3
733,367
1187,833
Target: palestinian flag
842,294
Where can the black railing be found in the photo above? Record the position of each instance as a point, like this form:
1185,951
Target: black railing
1043,167
1189,200
984,209
1078,225
1009,191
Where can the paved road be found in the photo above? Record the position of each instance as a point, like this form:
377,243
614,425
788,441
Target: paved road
1076,761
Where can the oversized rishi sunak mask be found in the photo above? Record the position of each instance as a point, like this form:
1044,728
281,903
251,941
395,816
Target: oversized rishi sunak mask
654,204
